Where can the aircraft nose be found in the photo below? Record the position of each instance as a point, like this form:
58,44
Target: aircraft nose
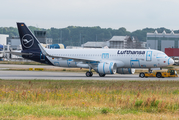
171,61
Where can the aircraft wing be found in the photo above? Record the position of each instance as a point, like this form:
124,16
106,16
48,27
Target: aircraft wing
75,59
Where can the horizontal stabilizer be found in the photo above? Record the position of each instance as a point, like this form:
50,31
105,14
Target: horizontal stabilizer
19,53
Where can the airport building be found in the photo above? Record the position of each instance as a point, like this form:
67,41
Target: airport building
3,39
116,42
94,44
41,36
3,42
121,42
160,41
14,43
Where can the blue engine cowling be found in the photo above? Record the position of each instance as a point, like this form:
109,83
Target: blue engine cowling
107,68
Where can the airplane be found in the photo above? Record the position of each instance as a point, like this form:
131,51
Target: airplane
102,61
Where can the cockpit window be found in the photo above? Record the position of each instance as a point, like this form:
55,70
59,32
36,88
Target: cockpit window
161,55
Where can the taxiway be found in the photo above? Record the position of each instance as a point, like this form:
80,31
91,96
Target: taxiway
62,75
47,75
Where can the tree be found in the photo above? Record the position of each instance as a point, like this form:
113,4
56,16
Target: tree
87,33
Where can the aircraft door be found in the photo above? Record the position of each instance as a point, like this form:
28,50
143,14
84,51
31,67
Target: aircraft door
135,63
149,56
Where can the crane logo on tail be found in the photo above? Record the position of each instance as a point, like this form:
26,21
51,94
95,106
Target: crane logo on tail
27,41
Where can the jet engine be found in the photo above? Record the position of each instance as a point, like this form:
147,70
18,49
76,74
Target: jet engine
107,68
125,71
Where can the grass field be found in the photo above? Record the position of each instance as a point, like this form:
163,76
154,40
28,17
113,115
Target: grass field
42,99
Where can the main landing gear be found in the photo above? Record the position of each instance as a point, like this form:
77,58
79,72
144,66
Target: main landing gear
101,75
89,73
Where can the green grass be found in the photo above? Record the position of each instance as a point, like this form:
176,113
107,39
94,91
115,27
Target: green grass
82,99
40,109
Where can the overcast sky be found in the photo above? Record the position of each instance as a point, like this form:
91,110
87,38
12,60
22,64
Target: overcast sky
131,14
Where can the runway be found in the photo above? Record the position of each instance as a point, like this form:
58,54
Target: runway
50,75
46,75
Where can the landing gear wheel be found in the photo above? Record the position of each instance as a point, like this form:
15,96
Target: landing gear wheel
89,74
142,75
159,75
102,75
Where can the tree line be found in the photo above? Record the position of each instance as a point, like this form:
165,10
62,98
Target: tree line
75,35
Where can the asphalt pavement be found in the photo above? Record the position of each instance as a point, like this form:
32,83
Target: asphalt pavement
50,75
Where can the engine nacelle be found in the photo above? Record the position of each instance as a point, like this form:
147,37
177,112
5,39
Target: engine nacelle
107,68
125,71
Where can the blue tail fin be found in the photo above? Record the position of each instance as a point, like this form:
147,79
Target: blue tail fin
28,41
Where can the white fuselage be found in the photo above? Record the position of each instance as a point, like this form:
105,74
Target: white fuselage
124,58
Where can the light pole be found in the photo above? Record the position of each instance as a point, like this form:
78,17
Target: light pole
83,40
80,39
61,37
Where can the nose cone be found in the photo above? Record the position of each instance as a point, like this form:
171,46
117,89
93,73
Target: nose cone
171,61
